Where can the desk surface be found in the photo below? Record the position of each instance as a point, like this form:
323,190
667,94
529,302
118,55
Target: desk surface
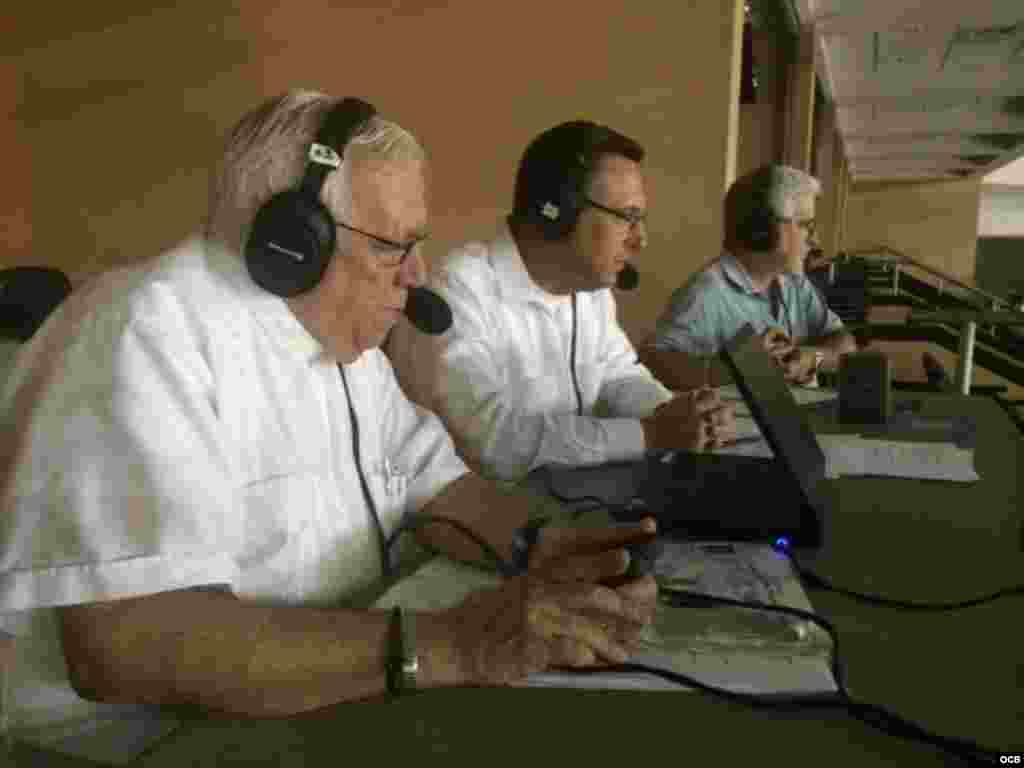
958,673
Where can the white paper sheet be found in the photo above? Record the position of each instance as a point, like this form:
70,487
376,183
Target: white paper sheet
854,455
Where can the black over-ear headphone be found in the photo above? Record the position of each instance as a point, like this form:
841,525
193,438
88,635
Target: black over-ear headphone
292,236
558,211
560,169
758,228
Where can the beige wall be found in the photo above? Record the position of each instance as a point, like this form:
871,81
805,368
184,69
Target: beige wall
118,113
933,222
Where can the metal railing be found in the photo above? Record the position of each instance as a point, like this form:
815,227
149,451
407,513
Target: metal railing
898,262
977,306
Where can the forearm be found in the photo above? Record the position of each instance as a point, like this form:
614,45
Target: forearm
207,649
508,436
680,371
487,509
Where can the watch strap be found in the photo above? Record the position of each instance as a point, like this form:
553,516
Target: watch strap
523,542
403,660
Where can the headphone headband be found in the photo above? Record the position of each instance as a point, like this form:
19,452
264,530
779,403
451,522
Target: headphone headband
292,236
328,147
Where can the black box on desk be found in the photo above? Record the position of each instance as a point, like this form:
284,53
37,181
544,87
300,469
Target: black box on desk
865,388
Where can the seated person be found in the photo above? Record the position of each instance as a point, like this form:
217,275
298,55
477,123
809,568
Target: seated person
206,453
758,279
536,347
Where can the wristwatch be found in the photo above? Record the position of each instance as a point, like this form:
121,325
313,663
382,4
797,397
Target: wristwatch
812,377
403,664
523,541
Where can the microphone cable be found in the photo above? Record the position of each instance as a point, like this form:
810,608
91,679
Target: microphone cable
572,360
874,715
820,582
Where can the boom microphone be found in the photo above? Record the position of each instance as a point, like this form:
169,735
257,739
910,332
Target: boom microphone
627,278
428,311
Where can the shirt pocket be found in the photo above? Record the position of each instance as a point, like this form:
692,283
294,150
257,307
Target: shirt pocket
277,510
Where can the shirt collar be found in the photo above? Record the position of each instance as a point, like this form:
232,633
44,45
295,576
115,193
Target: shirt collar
514,281
737,274
269,311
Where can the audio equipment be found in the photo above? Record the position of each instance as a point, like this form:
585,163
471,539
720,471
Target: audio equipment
27,297
559,203
552,176
427,311
292,236
865,384
628,278
757,228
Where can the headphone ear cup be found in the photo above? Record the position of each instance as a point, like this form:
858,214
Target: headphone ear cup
569,205
290,244
760,233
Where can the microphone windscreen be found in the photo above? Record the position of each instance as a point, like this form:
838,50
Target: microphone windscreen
428,311
627,278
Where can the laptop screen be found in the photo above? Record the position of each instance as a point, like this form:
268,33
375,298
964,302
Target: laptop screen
783,423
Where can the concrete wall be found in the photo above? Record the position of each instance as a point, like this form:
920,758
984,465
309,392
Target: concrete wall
933,222
115,114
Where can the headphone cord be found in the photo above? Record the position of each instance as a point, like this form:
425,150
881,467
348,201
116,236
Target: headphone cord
381,538
572,360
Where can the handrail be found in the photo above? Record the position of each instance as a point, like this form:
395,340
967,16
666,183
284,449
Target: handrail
995,302
967,320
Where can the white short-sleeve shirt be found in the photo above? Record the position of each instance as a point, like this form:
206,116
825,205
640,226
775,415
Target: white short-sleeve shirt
173,426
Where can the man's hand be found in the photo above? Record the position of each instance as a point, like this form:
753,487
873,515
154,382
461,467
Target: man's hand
561,612
777,344
800,365
695,421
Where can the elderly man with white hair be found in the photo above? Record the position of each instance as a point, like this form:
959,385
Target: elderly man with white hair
206,460
758,279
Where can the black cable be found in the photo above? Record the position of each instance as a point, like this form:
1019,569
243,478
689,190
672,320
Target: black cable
815,581
420,520
385,563
572,360
596,501
871,714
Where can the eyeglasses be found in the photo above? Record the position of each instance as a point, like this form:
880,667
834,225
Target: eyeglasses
392,253
631,216
807,225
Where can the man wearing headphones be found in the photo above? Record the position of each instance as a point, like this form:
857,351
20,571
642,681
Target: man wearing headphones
536,350
208,454
758,279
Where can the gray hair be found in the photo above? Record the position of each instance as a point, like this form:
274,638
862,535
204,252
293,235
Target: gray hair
266,154
772,188
786,186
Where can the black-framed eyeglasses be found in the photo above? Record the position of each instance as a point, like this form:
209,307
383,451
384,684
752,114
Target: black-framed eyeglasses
631,216
393,253
807,225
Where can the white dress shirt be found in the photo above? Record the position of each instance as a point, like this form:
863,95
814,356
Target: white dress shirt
173,426
500,378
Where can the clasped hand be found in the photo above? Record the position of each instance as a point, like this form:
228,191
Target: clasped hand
562,611
695,421
797,363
